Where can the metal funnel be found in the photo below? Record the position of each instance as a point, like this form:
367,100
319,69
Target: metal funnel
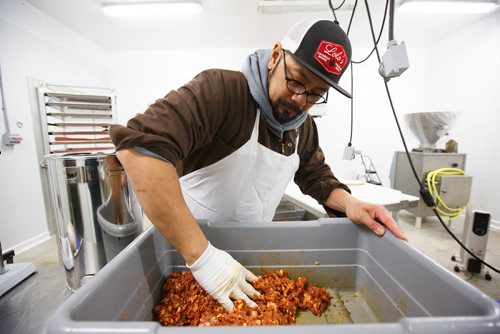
429,127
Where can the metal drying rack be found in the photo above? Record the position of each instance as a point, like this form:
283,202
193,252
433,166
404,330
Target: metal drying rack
76,119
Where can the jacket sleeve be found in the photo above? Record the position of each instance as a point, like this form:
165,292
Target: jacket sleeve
183,121
314,177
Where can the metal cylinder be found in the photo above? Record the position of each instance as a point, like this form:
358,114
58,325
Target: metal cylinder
95,212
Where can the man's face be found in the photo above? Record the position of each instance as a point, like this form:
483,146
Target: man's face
288,105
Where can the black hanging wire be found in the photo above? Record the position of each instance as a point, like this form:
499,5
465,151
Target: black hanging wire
379,35
352,104
333,9
352,16
424,192
349,144
340,6
358,62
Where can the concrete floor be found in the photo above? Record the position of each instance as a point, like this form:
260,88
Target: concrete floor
431,239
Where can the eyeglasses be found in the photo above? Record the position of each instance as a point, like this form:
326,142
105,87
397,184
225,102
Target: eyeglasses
297,87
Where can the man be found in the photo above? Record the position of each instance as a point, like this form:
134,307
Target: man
236,139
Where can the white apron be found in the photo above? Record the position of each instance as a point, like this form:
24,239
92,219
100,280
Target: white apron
245,186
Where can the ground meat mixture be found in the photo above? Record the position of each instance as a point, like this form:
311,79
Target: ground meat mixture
185,303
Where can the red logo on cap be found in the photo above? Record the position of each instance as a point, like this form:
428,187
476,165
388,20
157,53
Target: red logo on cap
331,56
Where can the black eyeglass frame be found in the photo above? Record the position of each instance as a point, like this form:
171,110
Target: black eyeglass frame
297,87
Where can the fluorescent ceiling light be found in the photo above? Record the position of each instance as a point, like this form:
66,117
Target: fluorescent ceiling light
151,8
447,7
280,6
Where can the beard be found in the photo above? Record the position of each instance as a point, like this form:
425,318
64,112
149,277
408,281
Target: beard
284,111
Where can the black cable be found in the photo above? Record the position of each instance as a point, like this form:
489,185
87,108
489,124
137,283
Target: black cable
409,157
462,245
349,144
352,105
352,16
333,9
340,6
392,105
418,180
371,26
354,62
379,35
402,136
366,58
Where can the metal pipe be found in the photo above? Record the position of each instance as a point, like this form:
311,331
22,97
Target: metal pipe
391,20
4,108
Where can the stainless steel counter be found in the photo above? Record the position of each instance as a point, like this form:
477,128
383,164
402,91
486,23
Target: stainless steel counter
393,200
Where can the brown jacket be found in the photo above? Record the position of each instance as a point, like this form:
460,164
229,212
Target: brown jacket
211,117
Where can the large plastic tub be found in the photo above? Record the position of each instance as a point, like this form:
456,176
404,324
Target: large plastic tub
382,284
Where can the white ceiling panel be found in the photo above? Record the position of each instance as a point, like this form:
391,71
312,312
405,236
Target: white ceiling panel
236,23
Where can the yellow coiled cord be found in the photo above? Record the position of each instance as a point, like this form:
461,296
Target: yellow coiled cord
441,207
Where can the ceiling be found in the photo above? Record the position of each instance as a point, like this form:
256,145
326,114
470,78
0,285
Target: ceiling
237,24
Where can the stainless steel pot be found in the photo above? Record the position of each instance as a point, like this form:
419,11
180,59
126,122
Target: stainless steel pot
95,211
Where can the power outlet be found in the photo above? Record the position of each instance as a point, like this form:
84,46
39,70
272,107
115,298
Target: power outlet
10,139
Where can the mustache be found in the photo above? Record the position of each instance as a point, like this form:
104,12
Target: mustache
284,116
289,106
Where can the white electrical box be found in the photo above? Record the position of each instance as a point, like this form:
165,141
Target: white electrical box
394,61
10,139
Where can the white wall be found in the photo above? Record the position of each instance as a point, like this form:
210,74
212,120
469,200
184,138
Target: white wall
34,47
375,132
464,75
141,77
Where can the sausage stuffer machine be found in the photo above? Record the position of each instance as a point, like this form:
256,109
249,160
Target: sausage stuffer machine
429,128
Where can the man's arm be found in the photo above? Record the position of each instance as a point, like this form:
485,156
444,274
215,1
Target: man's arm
374,216
156,185
157,188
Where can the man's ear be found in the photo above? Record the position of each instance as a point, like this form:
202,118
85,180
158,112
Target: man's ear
275,56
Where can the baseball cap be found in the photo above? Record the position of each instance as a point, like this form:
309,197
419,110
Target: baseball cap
322,47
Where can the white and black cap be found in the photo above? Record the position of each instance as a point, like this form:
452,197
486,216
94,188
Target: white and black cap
322,47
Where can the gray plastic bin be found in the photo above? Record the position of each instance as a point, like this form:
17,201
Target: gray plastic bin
407,291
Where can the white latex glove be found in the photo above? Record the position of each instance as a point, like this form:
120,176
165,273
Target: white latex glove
223,277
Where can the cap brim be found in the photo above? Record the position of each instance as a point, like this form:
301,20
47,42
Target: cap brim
322,76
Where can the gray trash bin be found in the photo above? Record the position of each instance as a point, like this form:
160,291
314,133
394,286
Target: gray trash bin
381,285
95,212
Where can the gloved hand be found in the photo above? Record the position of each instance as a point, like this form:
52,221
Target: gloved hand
223,277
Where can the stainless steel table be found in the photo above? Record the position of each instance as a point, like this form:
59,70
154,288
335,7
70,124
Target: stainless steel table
393,200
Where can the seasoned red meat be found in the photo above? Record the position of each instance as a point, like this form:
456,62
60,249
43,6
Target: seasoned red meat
185,303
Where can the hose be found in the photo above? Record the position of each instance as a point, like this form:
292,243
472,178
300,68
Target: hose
441,207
